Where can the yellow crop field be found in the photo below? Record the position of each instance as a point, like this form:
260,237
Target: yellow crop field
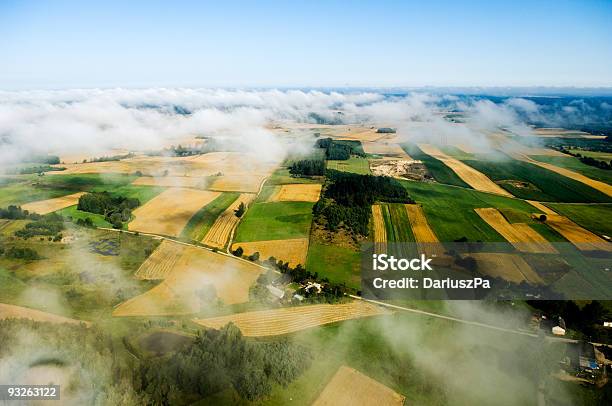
169,212
8,311
523,237
297,193
469,175
220,231
583,239
385,148
247,183
418,222
291,319
161,262
380,231
293,251
541,207
171,181
51,205
209,164
510,267
350,387
195,270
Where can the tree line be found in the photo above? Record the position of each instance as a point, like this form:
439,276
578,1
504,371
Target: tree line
340,150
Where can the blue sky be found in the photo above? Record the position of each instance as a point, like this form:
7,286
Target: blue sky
63,44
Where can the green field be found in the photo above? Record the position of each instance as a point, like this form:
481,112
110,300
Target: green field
543,185
450,211
354,164
72,212
275,221
602,156
440,172
200,223
594,217
141,192
338,264
396,223
23,192
574,164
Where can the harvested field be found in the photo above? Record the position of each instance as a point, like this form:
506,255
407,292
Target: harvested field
293,251
350,387
8,311
380,231
209,164
172,181
51,205
541,207
161,261
246,183
222,228
169,212
582,238
195,269
297,193
385,148
523,237
510,267
469,175
291,319
358,133
471,148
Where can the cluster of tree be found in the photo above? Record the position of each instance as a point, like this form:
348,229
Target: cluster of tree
347,199
240,210
308,167
26,253
43,159
587,320
221,359
330,292
110,158
86,222
48,225
116,209
587,160
386,130
17,213
339,150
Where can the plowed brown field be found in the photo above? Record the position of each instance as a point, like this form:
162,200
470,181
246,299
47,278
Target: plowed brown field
291,319
350,387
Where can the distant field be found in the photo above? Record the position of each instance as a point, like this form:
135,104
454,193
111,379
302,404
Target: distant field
22,192
50,205
588,216
440,172
542,184
450,211
354,164
338,264
574,164
275,221
602,156
142,193
203,219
